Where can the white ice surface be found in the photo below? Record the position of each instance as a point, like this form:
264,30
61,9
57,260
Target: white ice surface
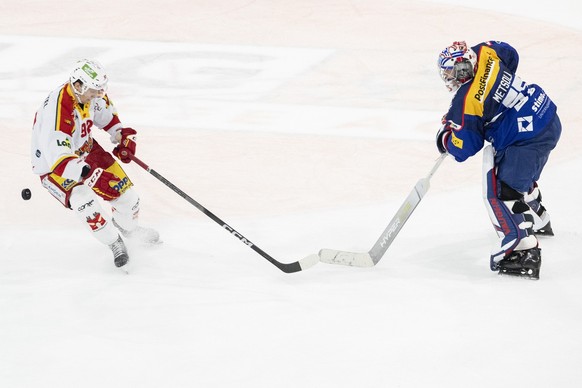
303,125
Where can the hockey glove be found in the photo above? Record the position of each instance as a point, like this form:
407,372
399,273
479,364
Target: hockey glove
100,181
127,144
441,139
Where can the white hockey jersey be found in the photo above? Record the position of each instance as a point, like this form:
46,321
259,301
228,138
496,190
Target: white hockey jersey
62,130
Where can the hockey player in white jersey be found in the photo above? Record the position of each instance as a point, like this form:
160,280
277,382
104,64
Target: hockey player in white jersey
77,171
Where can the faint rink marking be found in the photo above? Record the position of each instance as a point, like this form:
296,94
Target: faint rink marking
189,86
163,68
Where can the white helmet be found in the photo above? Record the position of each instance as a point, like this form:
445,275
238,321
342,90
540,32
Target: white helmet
91,74
457,65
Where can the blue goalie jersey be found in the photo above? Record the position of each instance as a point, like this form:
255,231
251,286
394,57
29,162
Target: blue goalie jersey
496,105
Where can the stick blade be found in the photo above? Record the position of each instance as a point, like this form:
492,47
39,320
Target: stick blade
297,266
308,262
352,259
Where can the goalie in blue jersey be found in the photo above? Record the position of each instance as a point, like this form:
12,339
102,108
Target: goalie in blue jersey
519,120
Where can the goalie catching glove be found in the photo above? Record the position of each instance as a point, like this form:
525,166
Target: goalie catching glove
127,144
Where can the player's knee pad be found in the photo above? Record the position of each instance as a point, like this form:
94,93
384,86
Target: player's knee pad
126,209
88,209
508,213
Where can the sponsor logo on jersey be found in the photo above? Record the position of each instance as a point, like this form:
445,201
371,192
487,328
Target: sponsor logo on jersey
64,143
456,141
67,183
487,71
538,102
484,79
525,124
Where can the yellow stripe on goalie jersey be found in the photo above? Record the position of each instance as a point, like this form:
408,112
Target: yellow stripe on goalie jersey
487,70
122,186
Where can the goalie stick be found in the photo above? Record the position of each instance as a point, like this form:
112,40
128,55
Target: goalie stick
296,266
373,256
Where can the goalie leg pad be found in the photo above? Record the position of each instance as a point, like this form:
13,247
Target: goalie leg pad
508,213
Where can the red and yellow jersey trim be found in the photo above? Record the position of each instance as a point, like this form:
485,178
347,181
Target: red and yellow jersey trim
64,120
114,121
58,167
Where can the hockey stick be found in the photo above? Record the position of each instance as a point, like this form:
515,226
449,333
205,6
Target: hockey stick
296,266
373,256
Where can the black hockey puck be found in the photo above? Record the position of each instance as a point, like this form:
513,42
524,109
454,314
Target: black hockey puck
26,194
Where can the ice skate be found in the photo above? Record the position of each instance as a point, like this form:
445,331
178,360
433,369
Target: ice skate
546,230
120,256
144,235
525,264
544,219
542,225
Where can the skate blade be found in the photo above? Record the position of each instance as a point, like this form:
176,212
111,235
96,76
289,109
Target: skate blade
529,275
544,233
147,244
152,244
125,268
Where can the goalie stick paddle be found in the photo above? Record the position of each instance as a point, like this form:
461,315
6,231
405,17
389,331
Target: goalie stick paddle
373,256
296,266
